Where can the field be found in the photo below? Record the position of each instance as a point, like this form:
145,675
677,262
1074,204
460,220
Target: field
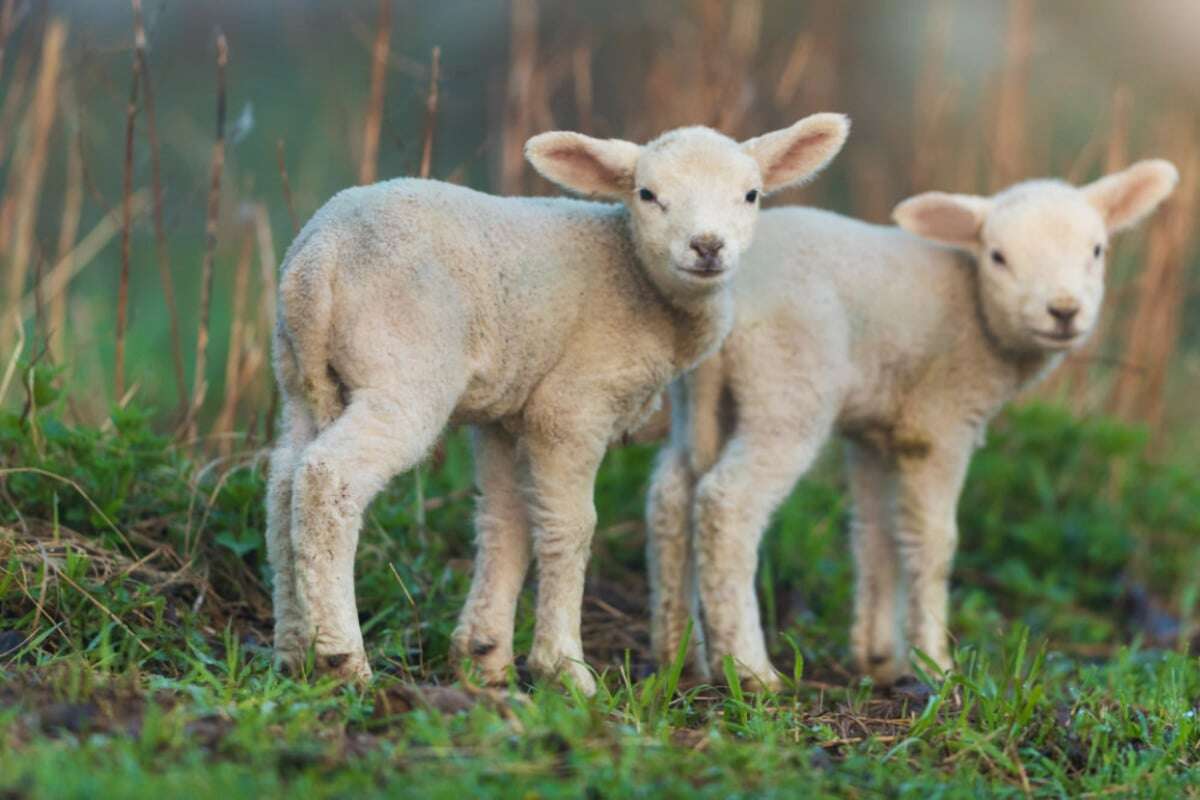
136,408
137,630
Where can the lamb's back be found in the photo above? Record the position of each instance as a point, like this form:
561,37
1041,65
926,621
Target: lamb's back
518,274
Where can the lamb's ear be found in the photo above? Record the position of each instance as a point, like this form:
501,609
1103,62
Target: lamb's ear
591,167
792,155
953,219
1126,197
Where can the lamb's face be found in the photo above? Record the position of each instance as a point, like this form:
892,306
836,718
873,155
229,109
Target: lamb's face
693,193
1040,248
1041,266
693,206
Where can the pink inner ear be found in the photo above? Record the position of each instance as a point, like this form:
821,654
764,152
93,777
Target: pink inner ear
943,220
583,166
794,158
1127,202
798,147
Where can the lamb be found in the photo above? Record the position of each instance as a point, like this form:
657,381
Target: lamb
549,325
905,346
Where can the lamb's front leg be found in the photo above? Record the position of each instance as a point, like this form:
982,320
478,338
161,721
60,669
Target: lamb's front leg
734,503
562,476
931,473
485,629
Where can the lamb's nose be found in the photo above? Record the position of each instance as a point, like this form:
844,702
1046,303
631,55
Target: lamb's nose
707,245
1064,310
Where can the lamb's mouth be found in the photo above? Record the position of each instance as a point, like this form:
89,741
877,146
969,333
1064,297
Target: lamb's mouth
1058,338
703,273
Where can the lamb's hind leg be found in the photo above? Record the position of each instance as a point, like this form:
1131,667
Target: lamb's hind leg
297,431
671,560
380,434
485,628
873,637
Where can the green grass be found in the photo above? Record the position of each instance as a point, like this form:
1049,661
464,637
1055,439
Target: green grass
134,574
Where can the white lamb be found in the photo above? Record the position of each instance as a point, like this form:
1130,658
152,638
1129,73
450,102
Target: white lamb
550,325
905,347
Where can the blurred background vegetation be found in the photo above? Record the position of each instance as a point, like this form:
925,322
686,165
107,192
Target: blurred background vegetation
964,95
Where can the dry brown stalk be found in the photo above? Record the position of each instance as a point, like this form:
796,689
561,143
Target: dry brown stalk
7,20
794,70
126,230
156,184
1010,145
581,71
935,96
523,22
56,280
252,363
287,186
13,101
266,306
431,108
743,32
199,386
40,120
1154,327
822,88
234,353
68,228
266,266
1116,153
367,168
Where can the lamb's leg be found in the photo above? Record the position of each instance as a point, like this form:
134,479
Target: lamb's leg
485,628
562,476
734,503
671,560
930,480
380,434
873,637
297,431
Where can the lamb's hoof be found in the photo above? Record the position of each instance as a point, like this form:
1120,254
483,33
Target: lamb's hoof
564,669
767,680
911,689
346,667
289,660
884,671
489,661
292,659
759,678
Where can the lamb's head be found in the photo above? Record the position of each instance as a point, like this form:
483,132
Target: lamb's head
1040,248
693,194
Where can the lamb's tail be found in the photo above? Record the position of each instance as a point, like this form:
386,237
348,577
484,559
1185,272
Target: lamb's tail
304,329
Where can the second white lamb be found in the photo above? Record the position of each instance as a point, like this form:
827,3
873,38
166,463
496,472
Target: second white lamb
906,341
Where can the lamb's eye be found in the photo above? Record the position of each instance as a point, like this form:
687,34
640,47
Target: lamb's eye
998,258
647,195
1097,250
751,195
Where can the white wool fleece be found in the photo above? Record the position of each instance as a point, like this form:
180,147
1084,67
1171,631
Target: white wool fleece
549,325
905,347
